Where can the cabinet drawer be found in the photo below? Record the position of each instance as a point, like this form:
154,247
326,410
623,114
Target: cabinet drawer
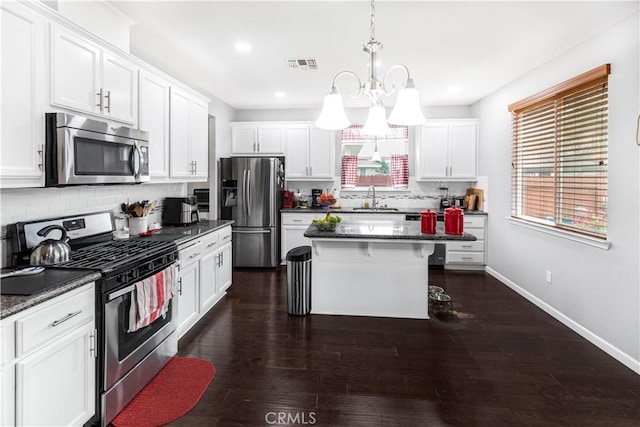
300,218
465,257
53,321
190,251
210,241
477,246
474,221
224,236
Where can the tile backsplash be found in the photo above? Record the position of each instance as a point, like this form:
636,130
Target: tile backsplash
26,204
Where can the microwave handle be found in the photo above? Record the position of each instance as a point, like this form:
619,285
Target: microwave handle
136,160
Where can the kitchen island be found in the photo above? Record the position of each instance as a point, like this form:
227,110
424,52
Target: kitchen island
373,268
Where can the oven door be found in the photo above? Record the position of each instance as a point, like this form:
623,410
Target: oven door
125,350
85,157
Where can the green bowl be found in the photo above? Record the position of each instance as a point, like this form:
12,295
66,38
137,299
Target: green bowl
326,226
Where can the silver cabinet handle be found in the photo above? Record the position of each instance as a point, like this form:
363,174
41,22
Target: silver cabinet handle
195,167
211,244
226,237
296,220
258,146
41,155
467,257
467,246
180,286
254,146
65,318
108,96
99,104
638,131
194,255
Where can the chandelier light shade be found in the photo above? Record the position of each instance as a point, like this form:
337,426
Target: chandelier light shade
407,110
376,123
332,116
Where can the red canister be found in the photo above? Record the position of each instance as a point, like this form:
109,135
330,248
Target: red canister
428,222
453,221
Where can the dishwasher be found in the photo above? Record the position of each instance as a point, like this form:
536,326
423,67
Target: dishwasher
439,256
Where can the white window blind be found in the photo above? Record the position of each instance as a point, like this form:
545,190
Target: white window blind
559,157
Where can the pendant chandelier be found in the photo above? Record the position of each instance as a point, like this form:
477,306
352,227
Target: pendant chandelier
407,110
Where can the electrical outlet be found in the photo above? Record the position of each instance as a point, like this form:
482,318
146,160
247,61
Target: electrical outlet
548,276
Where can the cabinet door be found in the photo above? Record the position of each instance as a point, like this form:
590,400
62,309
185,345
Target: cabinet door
463,150
180,160
199,133
297,162
56,385
270,140
321,153
434,150
23,82
208,280
188,297
292,237
119,88
154,118
225,268
8,401
75,72
244,139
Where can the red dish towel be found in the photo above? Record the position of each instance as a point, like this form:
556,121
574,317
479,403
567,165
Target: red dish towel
400,170
349,173
151,299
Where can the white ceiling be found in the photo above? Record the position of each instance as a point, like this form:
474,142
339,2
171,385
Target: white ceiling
476,46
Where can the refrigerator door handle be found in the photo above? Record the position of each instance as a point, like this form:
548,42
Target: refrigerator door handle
249,193
244,192
251,231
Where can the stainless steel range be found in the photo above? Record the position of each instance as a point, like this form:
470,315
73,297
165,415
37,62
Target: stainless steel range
127,360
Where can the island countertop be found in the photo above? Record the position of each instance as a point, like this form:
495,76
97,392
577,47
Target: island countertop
385,230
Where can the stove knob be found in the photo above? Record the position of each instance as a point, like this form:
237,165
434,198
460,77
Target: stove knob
150,266
122,278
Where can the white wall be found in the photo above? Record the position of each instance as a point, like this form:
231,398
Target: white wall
594,291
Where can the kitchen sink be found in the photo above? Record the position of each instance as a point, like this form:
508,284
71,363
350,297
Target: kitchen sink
375,209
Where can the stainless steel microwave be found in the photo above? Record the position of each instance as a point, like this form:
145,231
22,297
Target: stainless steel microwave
81,151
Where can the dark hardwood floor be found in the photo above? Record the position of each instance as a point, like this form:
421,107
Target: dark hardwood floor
499,361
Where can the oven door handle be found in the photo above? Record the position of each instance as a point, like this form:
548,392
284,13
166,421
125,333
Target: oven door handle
121,292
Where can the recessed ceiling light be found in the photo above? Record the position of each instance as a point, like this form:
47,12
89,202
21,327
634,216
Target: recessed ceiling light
279,94
454,89
243,47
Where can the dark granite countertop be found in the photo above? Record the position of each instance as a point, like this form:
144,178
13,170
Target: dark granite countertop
403,211
393,230
12,304
182,234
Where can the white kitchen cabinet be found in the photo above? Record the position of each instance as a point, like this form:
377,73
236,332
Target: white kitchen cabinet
154,118
310,153
48,361
189,150
205,274
22,101
447,150
465,255
188,284
89,79
255,139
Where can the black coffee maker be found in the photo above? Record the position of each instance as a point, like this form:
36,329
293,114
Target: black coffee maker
445,201
315,197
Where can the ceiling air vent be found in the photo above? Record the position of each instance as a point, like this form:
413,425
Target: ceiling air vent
302,64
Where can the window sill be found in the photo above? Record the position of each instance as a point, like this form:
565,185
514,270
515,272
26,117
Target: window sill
574,237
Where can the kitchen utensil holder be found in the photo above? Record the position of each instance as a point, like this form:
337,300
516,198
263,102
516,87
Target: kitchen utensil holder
137,225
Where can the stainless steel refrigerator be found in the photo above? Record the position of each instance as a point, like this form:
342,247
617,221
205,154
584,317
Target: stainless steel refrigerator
250,192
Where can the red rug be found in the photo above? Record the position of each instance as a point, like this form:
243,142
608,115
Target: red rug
169,395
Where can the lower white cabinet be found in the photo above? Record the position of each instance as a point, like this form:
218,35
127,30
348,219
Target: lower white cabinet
48,362
464,255
205,275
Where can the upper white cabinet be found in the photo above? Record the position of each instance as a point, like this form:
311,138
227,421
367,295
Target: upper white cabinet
310,153
257,139
448,150
87,78
189,150
154,118
22,100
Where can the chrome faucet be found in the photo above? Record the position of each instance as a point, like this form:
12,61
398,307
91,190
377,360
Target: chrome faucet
373,198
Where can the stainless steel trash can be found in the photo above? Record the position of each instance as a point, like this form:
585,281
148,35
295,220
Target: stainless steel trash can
299,280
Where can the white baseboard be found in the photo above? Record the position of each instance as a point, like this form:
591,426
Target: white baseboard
602,344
